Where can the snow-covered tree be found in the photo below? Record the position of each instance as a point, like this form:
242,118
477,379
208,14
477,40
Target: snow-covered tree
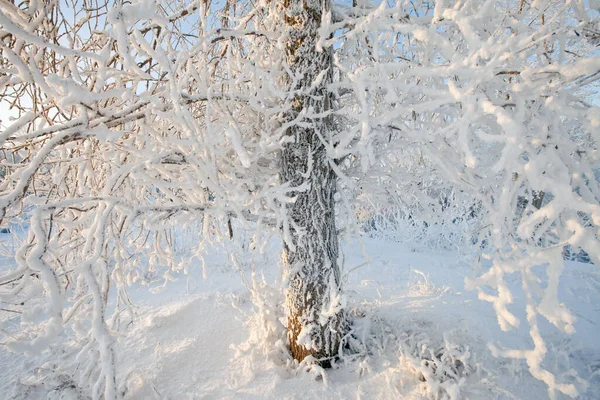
129,117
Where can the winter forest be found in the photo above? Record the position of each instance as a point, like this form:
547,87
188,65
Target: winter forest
299,199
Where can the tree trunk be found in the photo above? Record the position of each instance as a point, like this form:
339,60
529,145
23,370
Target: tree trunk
314,302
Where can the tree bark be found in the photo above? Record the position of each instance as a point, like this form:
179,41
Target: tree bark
314,301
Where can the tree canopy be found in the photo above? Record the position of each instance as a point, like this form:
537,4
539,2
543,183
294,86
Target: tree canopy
126,118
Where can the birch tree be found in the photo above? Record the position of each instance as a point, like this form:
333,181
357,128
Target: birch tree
315,305
128,118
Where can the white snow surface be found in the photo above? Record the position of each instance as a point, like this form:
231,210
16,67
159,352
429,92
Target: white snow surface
197,339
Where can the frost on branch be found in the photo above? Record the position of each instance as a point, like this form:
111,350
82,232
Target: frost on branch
494,99
129,118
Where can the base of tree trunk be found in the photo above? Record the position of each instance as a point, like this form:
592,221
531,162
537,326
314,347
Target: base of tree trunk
323,357
301,352
321,339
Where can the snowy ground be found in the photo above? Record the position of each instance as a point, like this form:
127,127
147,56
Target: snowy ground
200,338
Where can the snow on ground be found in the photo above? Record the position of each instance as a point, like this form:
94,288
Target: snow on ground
192,340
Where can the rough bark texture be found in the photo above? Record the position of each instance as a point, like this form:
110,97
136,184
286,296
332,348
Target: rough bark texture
315,312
